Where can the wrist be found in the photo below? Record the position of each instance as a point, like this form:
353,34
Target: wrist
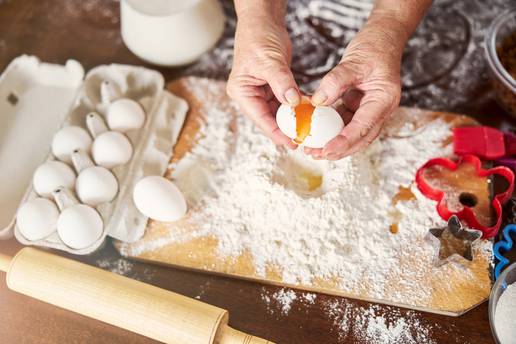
401,16
396,30
252,11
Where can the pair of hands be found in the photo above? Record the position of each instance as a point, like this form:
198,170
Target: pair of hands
364,86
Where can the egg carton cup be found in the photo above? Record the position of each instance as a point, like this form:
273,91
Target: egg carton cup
152,144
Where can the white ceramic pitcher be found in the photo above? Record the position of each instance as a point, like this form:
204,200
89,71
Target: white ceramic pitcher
171,32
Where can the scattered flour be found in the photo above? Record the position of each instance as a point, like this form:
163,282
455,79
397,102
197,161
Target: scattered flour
505,322
124,267
119,266
309,298
202,289
284,298
373,324
378,324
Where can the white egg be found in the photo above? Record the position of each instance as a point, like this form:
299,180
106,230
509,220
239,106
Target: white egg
67,140
125,114
79,226
51,175
96,185
37,218
111,149
159,199
326,124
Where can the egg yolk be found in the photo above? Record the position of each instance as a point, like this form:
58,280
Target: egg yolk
304,113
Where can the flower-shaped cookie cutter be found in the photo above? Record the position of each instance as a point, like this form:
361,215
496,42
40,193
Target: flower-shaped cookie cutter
504,244
466,214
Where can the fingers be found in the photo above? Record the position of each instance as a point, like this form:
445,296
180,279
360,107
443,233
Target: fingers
352,99
281,81
260,108
362,144
333,85
316,153
260,113
360,132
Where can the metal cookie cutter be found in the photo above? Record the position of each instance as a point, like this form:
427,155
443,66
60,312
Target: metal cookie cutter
506,245
466,213
454,241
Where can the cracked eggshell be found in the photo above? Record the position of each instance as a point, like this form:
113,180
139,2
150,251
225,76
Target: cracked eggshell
37,218
159,199
51,175
96,185
79,226
286,120
111,149
68,139
124,115
326,124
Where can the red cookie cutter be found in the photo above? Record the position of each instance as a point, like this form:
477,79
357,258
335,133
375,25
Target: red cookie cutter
466,213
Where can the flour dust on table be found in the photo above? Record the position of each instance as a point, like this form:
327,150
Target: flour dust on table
314,223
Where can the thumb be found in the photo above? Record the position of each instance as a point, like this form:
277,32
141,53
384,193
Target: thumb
333,85
282,83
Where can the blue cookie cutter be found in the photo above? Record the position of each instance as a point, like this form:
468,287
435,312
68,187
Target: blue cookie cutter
506,245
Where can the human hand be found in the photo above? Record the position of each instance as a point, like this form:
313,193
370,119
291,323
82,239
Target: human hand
261,78
366,84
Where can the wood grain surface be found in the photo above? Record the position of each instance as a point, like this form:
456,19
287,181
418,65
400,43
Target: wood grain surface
89,32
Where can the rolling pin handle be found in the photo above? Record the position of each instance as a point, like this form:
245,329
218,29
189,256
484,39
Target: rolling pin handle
229,335
5,261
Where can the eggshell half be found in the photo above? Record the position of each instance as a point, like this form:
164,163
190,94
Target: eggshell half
286,119
326,124
79,226
159,199
37,218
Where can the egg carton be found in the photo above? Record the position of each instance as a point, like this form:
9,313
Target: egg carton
37,99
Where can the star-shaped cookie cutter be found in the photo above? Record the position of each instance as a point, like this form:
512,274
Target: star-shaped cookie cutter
449,237
466,213
506,245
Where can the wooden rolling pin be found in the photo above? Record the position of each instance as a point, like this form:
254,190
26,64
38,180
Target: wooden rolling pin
135,306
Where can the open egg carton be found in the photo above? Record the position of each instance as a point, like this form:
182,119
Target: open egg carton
73,146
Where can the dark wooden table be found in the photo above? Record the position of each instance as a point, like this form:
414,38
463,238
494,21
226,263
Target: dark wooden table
88,31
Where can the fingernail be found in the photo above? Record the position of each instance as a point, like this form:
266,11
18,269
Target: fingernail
319,97
292,96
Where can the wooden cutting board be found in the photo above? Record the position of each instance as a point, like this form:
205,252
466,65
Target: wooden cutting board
468,287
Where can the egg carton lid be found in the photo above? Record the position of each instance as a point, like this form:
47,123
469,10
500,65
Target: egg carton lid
36,98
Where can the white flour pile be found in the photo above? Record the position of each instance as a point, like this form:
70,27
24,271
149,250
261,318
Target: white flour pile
254,199
505,322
